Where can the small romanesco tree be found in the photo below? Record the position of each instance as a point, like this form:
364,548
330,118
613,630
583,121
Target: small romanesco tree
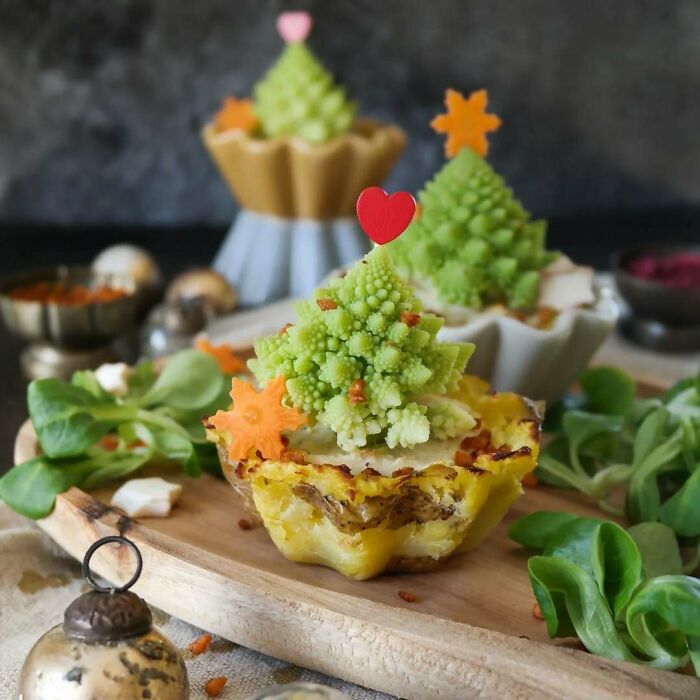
298,97
473,241
363,360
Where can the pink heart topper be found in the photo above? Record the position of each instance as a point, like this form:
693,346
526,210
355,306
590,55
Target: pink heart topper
294,27
384,217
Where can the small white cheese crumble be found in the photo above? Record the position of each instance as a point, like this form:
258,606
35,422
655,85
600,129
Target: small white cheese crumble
112,377
152,497
564,285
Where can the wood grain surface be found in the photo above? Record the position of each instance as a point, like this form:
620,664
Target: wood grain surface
470,634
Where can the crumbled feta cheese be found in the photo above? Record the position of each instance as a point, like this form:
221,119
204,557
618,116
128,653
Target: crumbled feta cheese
151,497
112,377
564,285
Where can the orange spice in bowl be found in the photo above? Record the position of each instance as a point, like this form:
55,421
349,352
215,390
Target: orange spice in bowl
65,294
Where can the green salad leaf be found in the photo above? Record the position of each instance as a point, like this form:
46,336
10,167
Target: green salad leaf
613,589
607,390
158,419
606,440
659,548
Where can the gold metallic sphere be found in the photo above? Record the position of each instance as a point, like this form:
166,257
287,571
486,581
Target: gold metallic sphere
203,285
139,668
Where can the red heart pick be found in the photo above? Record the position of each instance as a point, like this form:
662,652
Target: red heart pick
384,217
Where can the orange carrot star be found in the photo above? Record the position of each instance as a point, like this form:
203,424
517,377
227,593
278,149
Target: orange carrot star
257,420
236,114
229,362
466,122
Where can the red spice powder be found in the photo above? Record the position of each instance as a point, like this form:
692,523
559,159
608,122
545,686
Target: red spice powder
65,295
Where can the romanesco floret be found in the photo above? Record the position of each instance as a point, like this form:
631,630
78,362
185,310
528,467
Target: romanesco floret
474,242
367,327
298,97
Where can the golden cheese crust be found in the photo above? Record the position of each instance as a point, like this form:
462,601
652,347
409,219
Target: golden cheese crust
365,523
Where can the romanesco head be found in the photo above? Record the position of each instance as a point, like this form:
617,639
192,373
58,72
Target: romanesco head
473,240
298,97
364,360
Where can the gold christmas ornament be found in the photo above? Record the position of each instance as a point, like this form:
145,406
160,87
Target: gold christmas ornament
106,648
202,285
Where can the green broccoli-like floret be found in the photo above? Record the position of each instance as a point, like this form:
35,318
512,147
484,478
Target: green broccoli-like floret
298,97
360,353
448,417
473,241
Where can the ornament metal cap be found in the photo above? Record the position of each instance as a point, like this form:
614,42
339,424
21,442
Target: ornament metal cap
108,614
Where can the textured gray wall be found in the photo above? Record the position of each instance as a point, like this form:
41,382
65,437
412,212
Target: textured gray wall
101,100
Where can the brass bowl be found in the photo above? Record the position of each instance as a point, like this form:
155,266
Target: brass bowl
68,326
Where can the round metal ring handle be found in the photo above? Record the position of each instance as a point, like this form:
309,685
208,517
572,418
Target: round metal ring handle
87,574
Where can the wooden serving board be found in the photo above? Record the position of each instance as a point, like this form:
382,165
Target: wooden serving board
471,632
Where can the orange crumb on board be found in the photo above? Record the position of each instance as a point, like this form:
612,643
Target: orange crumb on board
537,612
200,645
229,362
257,419
530,481
215,686
466,122
236,114
408,597
244,524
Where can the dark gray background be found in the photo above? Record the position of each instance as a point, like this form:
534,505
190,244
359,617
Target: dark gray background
101,101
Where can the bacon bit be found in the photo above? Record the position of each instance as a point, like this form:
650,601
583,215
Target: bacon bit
537,612
545,316
296,456
257,419
530,481
351,494
404,471
245,524
326,304
215,686
410,319
200,645
236,115
477,443
408,597
228,361
463,459
466,122
109,442
369,471
285,328
356,391
136,444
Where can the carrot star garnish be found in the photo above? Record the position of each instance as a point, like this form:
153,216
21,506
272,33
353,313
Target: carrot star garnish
229,362
466,122
257,420
236,114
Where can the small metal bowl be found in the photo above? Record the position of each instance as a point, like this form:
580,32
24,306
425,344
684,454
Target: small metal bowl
654,301
68,326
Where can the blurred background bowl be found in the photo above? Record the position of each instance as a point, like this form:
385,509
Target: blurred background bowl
79,326
653,300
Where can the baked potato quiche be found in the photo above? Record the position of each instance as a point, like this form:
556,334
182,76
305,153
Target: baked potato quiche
367,449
